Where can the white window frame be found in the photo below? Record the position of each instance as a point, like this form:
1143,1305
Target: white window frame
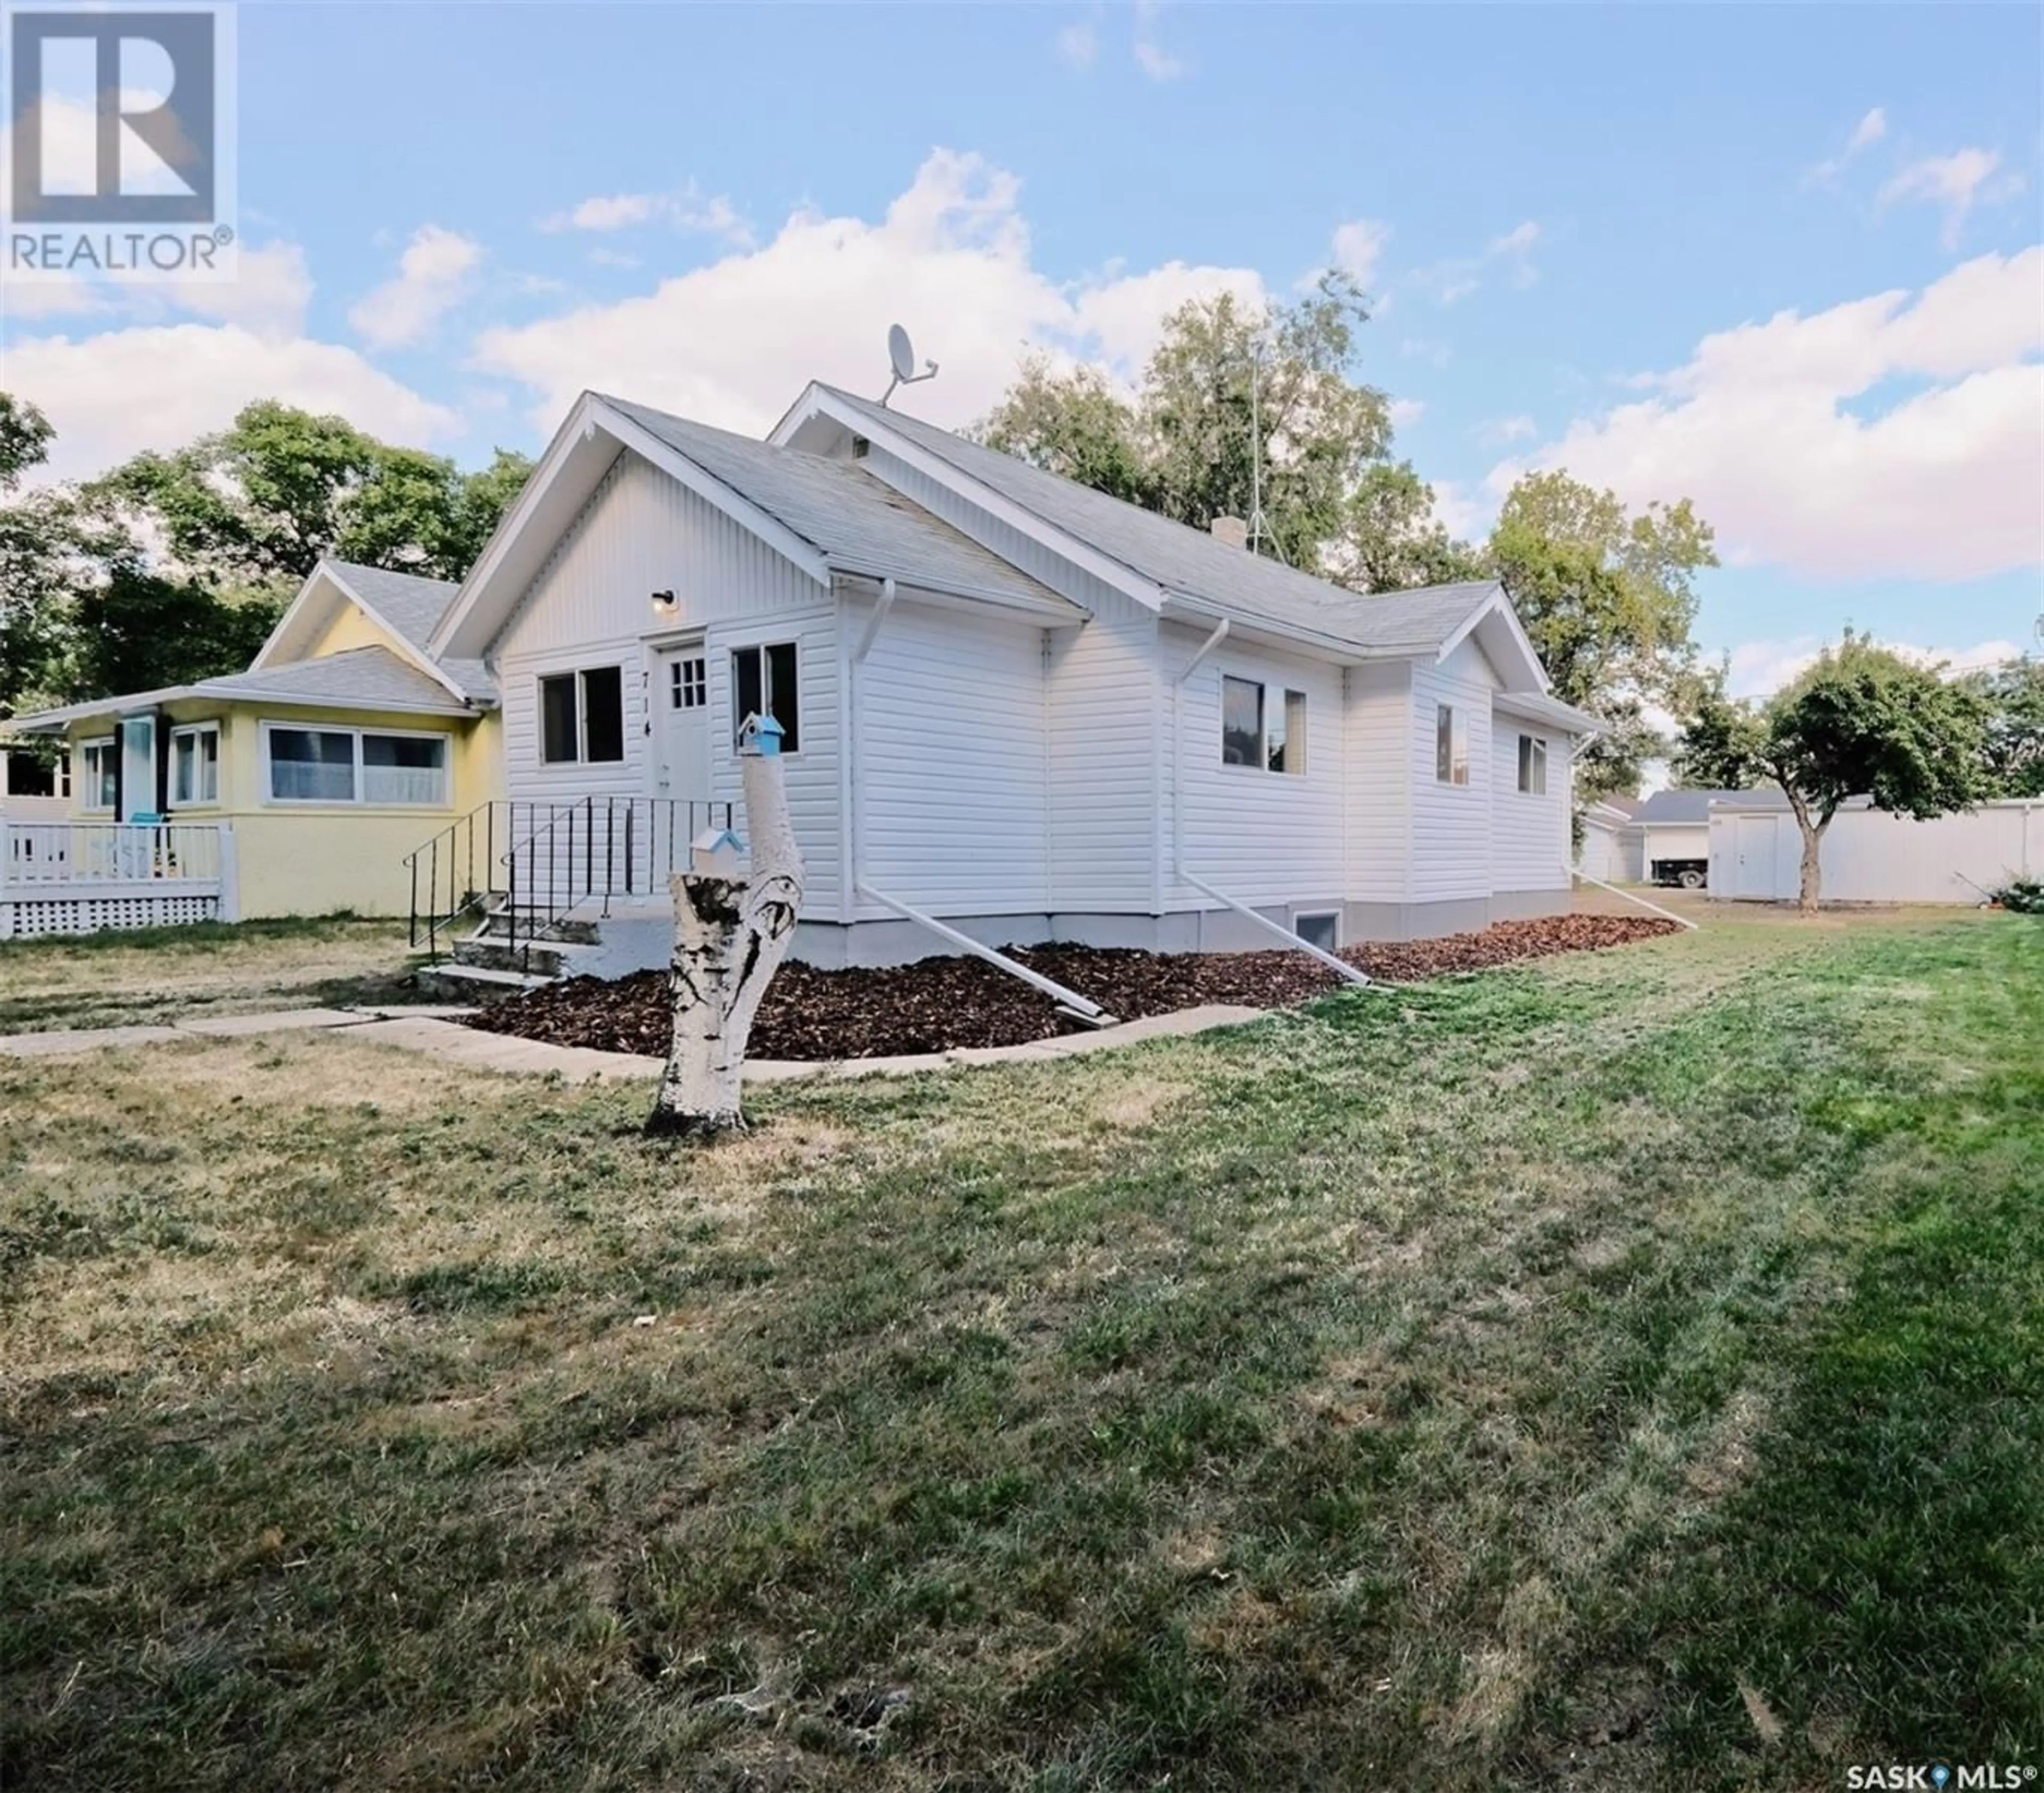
1533,765
195,733
98,744
688,679
763,647
1295,712
580,675
1456,718
358,801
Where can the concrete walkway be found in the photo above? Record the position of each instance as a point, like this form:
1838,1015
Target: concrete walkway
438,1032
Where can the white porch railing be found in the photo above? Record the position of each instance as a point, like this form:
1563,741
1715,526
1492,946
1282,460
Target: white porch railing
78,877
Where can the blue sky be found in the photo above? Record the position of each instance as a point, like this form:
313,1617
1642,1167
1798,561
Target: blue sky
1578,222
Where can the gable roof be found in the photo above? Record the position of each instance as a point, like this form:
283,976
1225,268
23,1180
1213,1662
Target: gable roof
826,517
1188,568
1678,807
356,678
404,605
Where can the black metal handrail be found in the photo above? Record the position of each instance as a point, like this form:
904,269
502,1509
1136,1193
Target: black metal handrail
557,856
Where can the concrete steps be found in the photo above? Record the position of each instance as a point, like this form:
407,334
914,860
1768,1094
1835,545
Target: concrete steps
463,983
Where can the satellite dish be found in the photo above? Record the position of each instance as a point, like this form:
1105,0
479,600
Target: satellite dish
901,352
901,355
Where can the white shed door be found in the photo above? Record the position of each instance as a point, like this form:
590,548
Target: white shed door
1753,842
681,764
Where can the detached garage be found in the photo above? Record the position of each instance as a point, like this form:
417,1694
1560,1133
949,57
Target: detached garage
1868,855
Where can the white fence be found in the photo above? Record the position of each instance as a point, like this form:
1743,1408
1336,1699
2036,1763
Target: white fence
1870,857
79,877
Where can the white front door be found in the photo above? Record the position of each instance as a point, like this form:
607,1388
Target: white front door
680,728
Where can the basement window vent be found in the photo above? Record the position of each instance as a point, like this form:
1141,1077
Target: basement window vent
1322,931
860,447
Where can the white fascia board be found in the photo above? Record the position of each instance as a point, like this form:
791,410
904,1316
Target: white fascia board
512,523
1537,706
1081,554
289,620
42,720
1498,605
1051,607
399,645
1181,608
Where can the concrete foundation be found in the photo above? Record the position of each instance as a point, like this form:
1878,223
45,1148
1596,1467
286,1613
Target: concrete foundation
641,938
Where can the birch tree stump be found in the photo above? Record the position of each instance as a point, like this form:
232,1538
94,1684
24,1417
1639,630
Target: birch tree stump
731,932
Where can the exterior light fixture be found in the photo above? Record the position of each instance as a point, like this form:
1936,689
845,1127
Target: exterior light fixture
665,603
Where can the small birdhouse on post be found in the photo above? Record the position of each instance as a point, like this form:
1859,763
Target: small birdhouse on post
761,735
716,852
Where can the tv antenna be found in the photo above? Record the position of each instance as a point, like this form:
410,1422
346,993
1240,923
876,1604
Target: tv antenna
1259,524
901,353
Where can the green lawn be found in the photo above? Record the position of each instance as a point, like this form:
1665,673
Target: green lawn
156,975
1623,1372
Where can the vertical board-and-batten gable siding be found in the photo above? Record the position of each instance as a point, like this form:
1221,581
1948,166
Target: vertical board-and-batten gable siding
1451,840
1379,790
1529,833
953,761
1266,838
591,605
1106,703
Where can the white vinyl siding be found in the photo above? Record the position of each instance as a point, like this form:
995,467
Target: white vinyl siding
953,762
1104,700
1265,838
1451,823
1378,790
1529,829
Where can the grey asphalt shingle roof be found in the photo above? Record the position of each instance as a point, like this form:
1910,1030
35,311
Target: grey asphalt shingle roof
1192,562
361,678
855,521
1674,808
414,606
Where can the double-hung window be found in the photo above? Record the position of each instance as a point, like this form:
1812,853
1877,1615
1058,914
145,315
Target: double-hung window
764,682
100,770
1260,727
582,717
195,765
1533,765
355,766
1450,745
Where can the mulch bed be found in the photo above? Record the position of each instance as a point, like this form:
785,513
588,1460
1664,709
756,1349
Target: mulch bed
936,1004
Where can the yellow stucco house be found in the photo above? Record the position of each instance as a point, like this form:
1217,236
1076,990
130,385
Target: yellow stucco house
299,787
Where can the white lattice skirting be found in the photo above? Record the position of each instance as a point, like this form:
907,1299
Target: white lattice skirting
23,917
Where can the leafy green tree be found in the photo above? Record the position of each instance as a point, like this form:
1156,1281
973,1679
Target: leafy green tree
1228,384
257,505
38,538
138,631
2013,696
1608,598
1862,721
1390,540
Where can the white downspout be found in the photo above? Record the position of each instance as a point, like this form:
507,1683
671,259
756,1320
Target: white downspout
1079,1004
1340,966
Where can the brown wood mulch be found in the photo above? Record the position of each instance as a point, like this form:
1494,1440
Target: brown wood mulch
939,1003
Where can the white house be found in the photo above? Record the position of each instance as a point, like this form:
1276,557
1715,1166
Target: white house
1012,706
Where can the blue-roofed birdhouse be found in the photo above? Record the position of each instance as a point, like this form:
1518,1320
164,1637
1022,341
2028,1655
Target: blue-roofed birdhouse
716,852
762,735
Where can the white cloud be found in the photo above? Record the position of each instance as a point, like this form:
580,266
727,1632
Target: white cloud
1871,129
1425,348
434,275
157,387
731,343
1451,291
1465,516
269,294
1403,411
1496,432
1940,481
688,208
1155,61
1760,668
1953,183
612,211
1460,275
1078,43
1358,245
